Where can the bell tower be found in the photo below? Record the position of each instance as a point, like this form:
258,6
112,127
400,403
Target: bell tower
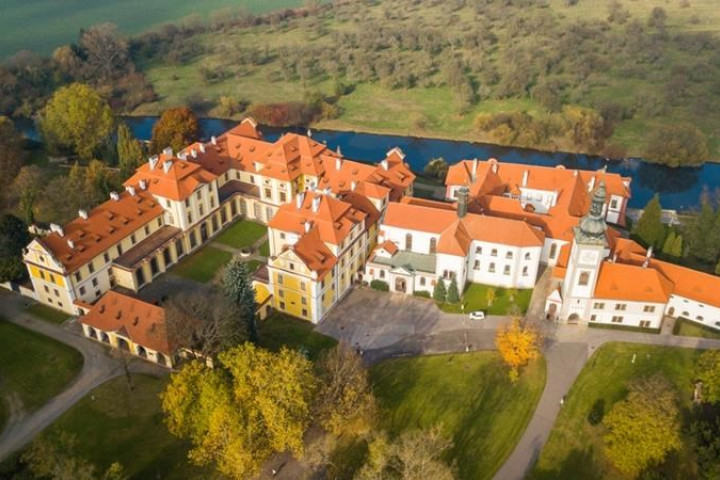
589,249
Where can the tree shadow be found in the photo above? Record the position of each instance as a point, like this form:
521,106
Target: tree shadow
579,464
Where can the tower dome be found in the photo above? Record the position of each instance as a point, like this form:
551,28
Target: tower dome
592,227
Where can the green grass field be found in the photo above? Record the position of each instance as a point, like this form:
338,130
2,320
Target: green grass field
42,25
202,265
242,234
687,328
280,330
34,367
476,298
574,449
48,314
469,396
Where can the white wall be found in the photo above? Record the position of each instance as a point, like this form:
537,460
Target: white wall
420,240
704,314
632,315
521,258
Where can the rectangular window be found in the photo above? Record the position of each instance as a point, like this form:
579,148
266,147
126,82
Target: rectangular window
159,221
133,239
78,276
593,318
268,193
614,203
280,279
525,271
598,306
493,253
281,293
477,265
47,289
478,251
492,268
82,290
119,249
106,257
617,319
304,312
147,230
52,278
645,324
302,286
95,282
506,270
649,309
283,197
382,273
57,294
621,307
197,195
509,255
422,281
91,267
282,305
42,274
303,300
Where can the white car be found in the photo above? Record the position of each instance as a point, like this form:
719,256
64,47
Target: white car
477,315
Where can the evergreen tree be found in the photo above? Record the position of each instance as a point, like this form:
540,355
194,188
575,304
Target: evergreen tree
678,247
238,288
130,152
669,244
717,269
649,229
439,292
702,245
453,295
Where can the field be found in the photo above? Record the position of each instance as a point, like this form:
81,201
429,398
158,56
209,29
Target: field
386,102
469,396
46,313
242,234
203,265
45,24
574,449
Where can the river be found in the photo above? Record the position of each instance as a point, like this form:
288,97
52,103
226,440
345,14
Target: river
679,188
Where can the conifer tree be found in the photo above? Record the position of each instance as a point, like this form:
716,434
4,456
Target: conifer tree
717,269
702,245
453,295
667,248
678,247
439,292
649,229
238,288
130,152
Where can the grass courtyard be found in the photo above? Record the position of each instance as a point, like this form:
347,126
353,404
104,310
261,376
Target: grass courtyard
574,449
34,367
48,314
688,328
280,330
242,234
476,298
202,265
469,395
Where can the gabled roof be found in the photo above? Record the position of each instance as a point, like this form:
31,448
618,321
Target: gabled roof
169,177
141,322
617,281
105,226
316,256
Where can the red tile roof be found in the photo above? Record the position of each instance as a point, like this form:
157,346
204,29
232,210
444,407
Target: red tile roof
170,177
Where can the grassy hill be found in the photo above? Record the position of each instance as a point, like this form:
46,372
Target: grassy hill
429,68
42,25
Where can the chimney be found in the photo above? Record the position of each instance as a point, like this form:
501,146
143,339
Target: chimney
309,133
384,164
339,152
54,227
168,151
71,244
316,203
193,152
213,140
575,173
153,161
130,190
143,184
462,196
353,186
614,259
167,165
82,213
591,184
338,163
182,156
299,199
308,225
202,148
493,162
474,169
649,253
114,196
526,175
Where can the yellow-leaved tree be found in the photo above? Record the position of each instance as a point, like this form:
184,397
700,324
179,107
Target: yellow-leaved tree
254,404
518,344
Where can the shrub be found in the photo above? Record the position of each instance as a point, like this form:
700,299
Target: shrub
380,286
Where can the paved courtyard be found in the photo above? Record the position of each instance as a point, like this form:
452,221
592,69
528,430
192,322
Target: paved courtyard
386,325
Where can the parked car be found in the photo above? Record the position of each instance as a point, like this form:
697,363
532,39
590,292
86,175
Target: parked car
477,315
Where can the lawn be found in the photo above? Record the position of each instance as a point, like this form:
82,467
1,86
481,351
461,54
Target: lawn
476,298
33,366
243,234
574,449
280,330
48,314
253,265
688,328
264,249
202,265
469,396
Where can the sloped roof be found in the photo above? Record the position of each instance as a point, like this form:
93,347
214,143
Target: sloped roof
618,281
170,177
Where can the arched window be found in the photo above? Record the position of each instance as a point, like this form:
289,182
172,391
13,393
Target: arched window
584,279
408,242
553,250
433,245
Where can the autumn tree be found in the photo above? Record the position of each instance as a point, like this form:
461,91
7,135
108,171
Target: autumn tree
439,291
76,118
14,237
518,344
680,145
130,151
11,152
26,190
255,404
177,128
239,290
649,228
644,427
83,188
345,403
707,370
106,50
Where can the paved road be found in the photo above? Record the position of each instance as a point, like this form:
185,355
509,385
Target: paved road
98,367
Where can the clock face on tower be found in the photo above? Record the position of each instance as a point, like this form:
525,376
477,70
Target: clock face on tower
589,256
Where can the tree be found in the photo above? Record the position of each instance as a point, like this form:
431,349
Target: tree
717,268
413,455
256,404
11,152
673,245
439,291
657,18
177,128
437,168
238,288
76,118
649,228
106,50
26,188
453,295
130,151
14,237
703,245
345,403
644,427
706,435
518,344
707,370
679,145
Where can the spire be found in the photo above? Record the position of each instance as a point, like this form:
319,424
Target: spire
591,230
